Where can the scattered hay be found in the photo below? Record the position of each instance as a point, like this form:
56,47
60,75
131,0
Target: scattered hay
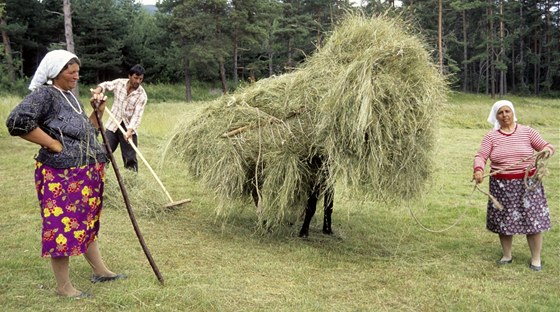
367,102
145,195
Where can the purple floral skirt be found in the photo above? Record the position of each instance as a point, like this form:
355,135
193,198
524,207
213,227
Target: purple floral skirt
71,201
525,208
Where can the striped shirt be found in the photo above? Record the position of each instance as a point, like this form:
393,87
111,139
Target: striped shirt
126,107
507,149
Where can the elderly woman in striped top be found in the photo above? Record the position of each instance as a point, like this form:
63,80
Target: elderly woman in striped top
509,147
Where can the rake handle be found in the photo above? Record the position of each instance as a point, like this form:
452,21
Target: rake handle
140,155
125,196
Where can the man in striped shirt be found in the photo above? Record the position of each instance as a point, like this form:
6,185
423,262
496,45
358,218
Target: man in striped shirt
128,106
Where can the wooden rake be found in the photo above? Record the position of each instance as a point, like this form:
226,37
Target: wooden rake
172,203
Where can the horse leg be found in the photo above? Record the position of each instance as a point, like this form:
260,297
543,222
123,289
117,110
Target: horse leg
328,209
257,201
255,195
309,212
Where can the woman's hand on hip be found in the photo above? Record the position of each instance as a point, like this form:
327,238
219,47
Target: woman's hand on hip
54,147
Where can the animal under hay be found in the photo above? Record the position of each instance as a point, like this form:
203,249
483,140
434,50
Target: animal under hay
365,103
317,188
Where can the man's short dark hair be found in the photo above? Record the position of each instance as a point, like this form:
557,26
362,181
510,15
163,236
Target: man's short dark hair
136,69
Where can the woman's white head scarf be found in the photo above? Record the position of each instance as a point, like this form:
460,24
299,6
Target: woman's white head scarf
494,111
50,67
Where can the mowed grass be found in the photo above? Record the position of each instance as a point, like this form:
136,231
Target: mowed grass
381,258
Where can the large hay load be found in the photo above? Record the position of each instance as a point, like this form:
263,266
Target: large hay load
366,103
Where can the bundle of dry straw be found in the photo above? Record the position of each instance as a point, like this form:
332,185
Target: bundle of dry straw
367,102
145,196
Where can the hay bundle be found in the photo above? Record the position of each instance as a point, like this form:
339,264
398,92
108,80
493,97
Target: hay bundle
377,119
366,102
145,195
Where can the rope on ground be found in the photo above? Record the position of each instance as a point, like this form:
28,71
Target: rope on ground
437,231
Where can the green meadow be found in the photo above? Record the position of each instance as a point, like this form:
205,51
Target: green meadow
430,254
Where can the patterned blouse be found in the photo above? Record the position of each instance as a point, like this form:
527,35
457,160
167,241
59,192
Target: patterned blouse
58,114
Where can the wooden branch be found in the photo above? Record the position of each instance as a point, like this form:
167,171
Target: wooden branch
54,12
236,131
271,120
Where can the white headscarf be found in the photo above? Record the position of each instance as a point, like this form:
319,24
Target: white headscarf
494,111
50,67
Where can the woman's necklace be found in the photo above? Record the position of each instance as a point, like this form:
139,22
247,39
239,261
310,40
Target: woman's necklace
79,110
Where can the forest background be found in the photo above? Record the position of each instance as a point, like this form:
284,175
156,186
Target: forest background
486,46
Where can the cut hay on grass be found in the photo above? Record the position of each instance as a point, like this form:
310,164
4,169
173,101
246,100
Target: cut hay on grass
145,195
366,103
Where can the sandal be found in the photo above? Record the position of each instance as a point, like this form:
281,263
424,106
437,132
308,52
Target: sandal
503,262
81,295
102,279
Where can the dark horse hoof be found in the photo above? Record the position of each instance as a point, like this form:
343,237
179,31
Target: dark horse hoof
328,231
303,234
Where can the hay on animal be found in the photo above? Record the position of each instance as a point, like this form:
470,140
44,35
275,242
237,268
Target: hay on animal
366,102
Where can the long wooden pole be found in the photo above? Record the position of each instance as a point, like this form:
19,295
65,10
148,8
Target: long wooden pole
125,196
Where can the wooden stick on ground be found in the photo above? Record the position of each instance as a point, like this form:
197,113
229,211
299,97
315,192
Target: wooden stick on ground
125,196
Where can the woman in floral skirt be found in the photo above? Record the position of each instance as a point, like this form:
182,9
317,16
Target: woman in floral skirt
69,170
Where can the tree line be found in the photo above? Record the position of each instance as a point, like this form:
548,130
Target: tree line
484,46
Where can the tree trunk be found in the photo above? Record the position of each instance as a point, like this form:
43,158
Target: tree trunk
465,51
522,78
481,70
491,53
319,23
270,54
487,70
8,51
235,64
548,65
289,64
537,66
440,30
501,55
69,34
188,86
512,63
223,76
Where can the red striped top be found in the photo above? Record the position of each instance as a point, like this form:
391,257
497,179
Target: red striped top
506,149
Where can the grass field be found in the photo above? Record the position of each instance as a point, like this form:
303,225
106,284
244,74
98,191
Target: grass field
381,258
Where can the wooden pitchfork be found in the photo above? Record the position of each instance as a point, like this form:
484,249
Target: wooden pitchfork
124,193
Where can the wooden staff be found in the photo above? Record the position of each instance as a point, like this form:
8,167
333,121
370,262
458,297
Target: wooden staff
125,195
